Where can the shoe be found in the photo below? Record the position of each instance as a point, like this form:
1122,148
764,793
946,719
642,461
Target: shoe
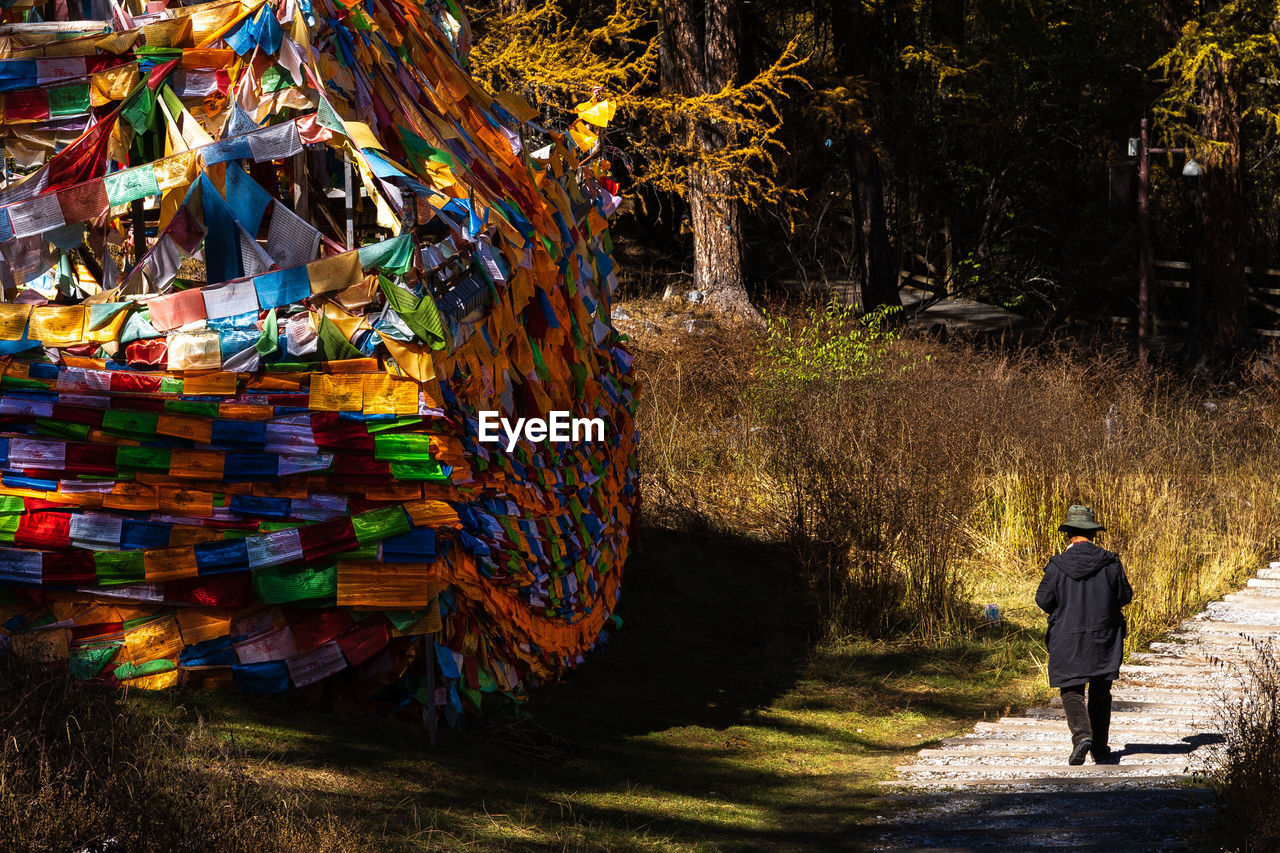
1079,752
1101,754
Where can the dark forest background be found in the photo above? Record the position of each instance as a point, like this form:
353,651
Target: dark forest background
968,142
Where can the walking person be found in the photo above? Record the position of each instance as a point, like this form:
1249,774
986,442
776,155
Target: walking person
1083,591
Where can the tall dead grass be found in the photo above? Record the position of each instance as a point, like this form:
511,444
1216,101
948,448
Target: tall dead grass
1245,768
86,767
949,468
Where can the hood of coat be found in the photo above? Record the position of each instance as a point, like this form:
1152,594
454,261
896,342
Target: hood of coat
1082,560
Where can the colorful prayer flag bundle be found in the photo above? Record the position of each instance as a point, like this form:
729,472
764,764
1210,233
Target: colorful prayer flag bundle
249,454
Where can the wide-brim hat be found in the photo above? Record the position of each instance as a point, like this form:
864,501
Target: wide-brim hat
1080,517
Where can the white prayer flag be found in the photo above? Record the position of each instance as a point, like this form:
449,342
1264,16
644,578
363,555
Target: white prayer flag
291,240
230,299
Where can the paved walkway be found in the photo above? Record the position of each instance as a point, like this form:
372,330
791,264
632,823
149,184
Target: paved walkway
1007,785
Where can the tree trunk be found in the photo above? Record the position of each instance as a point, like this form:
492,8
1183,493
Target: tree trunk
717,244
1219,252
877,269
701,54
855,33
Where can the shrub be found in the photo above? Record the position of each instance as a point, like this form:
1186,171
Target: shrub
918,476
870,510
1246,769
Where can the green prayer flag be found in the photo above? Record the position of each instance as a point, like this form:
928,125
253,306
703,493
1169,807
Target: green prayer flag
269,342
62,429
425,470
151,667
101,315
539,366
275,79
151,458
418,313
204,408
276,585
69,100
118,567
402,447
16,382
333,344
129,422
86,661
140,109
131,184
11,509
403,620
378,524
327,117
393,256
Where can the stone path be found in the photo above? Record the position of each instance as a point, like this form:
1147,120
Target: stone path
1007,786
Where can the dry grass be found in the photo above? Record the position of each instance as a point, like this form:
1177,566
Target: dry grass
918,492
1247,766
81,765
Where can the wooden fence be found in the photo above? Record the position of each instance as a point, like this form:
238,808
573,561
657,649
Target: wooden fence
1172,293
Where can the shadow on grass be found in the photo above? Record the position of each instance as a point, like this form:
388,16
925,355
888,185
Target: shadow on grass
714,626
708,722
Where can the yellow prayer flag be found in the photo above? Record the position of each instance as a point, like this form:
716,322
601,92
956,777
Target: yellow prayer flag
336,273
153,640
346,322
170,564
188,502
399,586
58,325
416,361
197,464
133,496
114,84
197,429
336,392
108,331
516,105
433,514
600,113
176,170
387,395
361,135
13,320
118,43
198,624
217,382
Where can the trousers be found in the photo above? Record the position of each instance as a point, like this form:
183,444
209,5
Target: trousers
1091,721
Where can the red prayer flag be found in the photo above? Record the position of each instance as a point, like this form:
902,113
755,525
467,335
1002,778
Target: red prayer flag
84,159
365,641
43,530
69,568
327,537
26,105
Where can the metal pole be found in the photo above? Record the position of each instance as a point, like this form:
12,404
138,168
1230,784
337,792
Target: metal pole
1144,247
351,205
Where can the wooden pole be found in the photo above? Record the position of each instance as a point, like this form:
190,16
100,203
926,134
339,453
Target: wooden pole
139,214
1144,247
351,204
301,188
429,712
55,27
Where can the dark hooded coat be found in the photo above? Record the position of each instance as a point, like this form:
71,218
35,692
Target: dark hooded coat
1083,590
